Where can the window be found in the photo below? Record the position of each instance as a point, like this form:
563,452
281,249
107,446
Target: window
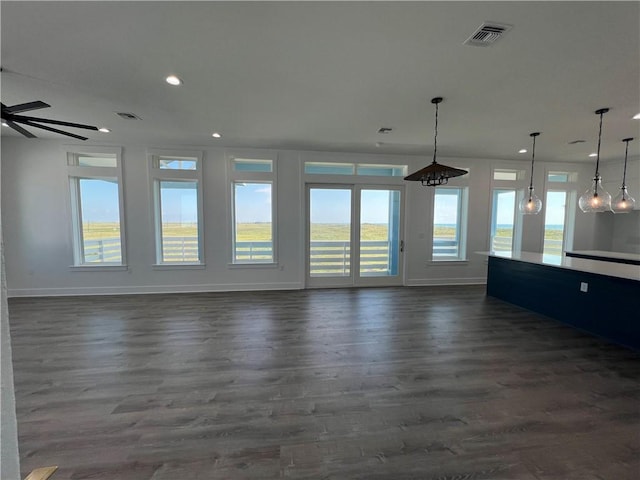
253,226
330,168
554,222
449,223
95,184
501,174
503,219
561,177
382,170
176,180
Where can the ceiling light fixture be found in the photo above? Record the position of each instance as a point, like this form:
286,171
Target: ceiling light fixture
435,174
596,199
623,202
216,135
636,116
4,124
593,154
173,80
104,130
532,204
522,150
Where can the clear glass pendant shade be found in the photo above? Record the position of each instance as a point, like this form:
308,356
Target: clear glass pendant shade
596,199
623,202
530,204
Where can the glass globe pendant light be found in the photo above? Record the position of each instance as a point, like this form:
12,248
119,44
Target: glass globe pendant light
623,202
531,204
596,199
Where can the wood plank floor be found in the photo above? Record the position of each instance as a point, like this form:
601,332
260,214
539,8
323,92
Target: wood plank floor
380,383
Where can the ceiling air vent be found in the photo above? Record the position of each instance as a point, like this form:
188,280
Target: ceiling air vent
487,34
128,116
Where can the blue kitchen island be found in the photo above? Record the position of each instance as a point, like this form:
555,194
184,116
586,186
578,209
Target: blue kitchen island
599,297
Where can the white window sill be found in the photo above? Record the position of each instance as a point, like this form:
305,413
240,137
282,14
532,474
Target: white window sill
448,262
98,268
268,265
178,266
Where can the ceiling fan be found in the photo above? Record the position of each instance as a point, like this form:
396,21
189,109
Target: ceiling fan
12,120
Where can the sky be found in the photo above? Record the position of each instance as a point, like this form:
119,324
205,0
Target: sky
331,205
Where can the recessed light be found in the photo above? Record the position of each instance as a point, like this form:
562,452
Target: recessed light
216,135
173,80
522,150
636,116
594,154
104,130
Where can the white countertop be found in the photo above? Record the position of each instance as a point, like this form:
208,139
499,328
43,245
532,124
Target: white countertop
605,254
620,270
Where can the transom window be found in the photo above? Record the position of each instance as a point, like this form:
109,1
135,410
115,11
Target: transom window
330,168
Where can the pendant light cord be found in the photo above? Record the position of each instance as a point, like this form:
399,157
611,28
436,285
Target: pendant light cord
597,176
624,172
435,136
533,156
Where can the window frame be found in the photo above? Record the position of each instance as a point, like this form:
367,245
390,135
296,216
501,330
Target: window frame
461,228
158,175
75,173
570,187
246,176
519,186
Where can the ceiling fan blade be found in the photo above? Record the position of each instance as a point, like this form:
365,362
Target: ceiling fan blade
25,107
54,122
19,129
55,130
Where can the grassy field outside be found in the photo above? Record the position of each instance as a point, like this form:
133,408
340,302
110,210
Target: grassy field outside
261,232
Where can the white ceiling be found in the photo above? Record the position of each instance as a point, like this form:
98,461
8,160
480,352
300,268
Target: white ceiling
328,75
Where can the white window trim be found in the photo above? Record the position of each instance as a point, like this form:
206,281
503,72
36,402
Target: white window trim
571,187
463,221
74,174
234,177
156,175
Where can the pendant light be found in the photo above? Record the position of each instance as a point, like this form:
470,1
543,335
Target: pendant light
596,199
531,204
435,174
623,202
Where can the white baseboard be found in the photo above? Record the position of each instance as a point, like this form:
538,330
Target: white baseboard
150,289
426,282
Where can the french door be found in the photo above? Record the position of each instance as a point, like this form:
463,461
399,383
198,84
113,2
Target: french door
354,235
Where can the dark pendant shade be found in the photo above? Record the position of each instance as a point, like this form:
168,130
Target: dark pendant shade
435,174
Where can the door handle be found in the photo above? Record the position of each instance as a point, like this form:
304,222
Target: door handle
401,246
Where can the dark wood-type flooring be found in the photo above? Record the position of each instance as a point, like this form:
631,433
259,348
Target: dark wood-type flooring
379,383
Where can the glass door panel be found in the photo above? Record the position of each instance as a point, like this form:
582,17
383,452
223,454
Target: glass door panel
329,249
379,246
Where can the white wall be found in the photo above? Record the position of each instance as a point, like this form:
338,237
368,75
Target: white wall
620,232
38,233
9,459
